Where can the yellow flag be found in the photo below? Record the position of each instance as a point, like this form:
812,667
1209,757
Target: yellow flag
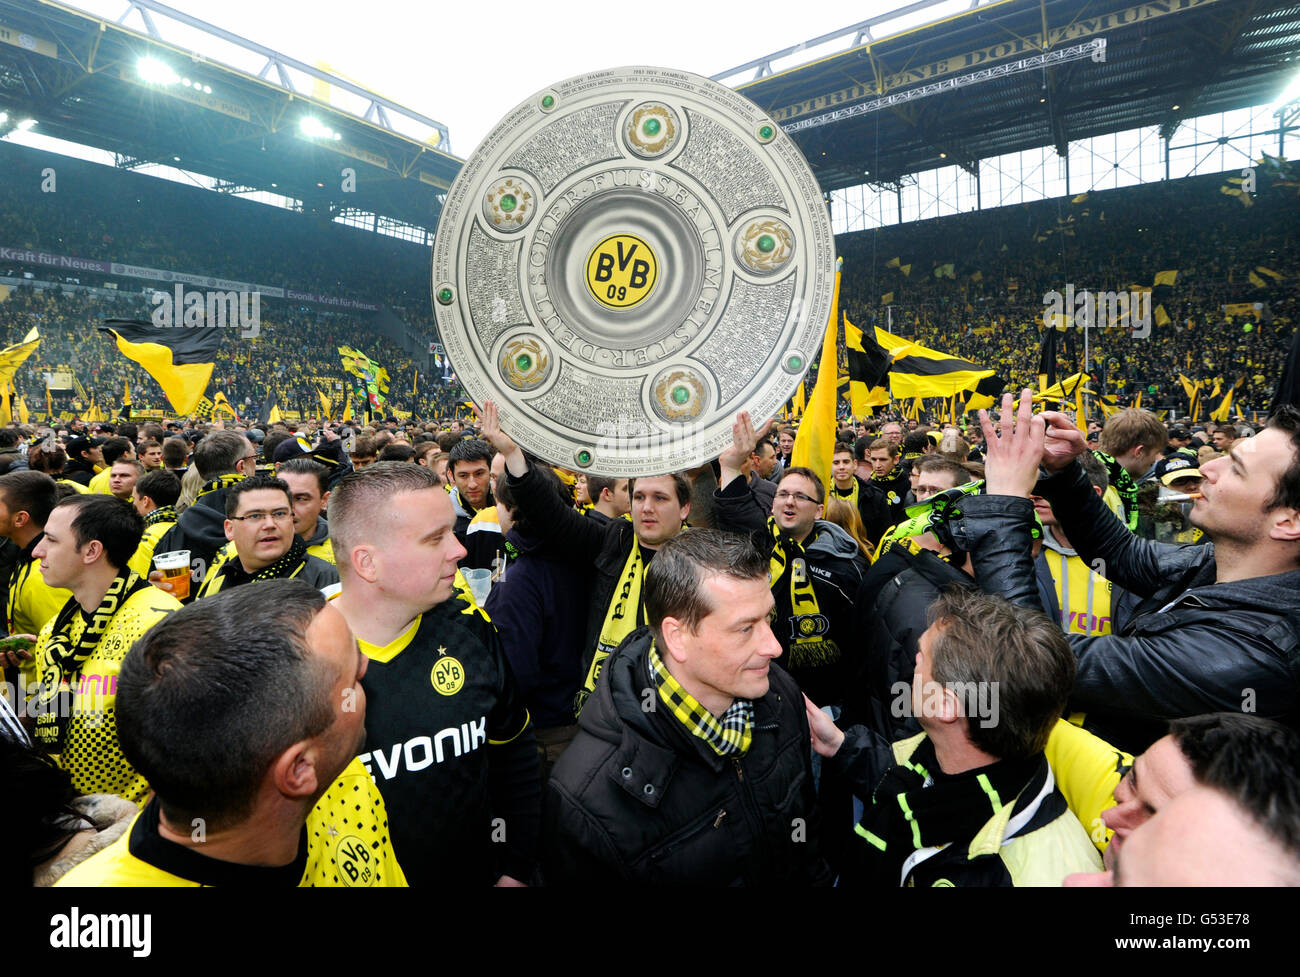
906,270
893,262
274,417
1269,272
22,411
324,403
1257,281
1080,418
347,407
1162,317
12,357
886,298
800,400
814,445
1165,277
1137,401
1079,198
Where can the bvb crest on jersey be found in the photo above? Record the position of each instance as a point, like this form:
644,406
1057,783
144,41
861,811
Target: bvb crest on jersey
448,675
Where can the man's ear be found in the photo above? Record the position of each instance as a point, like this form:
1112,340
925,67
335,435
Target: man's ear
22,518
294,771
230,530
325,501
1286,525
362,561
686,510
93,551
673,644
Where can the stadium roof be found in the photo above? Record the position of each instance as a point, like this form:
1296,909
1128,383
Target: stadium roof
1165,61
100,84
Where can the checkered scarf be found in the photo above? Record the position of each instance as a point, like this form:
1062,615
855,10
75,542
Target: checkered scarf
726,736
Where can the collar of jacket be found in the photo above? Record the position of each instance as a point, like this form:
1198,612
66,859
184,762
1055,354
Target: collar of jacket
1011,819
651,744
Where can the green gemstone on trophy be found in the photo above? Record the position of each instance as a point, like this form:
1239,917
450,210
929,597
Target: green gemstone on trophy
444,296
794,363
508,202
681,395
524,362
548,101
584,457
766,243
651,127
766,132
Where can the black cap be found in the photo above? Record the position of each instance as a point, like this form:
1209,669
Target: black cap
77,445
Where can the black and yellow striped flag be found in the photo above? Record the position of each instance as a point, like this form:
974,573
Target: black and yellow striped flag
868,365
181,360
917,371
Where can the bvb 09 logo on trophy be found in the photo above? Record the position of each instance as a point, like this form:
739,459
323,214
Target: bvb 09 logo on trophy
627,260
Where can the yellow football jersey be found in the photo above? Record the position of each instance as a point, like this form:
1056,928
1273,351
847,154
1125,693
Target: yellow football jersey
344,843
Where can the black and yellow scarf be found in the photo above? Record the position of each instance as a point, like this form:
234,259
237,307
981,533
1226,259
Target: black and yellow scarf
852,497
727,736
233,574
61,660
218,483
626,613
166,513
808,642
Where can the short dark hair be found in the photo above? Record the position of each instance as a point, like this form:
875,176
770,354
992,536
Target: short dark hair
986,642
1287,494
842,448
211,695
596,484
305,466
681,485
219,453
673,579
175,452
544,475
397,451
160,485
1251,759
30,492
8,438
114,448
255,483
1095,470
812,476
861,446
109,520
470,449
916,443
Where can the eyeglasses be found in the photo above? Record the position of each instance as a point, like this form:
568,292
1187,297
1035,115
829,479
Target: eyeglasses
279,515
797,496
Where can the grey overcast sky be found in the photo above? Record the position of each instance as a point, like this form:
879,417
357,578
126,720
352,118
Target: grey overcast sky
466,63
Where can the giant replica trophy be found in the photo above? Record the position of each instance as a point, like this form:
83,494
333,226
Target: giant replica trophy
627,260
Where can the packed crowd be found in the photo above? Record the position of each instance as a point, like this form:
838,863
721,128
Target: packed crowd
990,310
1010,654
292,360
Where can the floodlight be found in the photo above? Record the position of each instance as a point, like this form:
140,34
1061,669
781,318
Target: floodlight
156,72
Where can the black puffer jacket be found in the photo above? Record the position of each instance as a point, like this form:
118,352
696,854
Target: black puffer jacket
1191,646
637,799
